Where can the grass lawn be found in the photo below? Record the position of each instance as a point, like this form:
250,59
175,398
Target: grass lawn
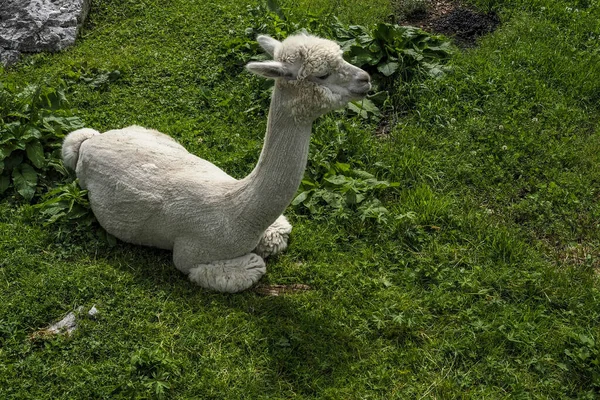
482,281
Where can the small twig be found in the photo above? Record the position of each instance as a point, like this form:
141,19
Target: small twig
277,290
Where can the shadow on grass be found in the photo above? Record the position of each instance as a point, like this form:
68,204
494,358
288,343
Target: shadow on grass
301,341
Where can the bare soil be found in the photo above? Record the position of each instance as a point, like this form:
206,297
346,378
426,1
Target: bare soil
465,25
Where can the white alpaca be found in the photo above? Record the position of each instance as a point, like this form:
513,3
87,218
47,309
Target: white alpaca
145,188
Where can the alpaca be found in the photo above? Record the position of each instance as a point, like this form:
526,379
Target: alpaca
145,188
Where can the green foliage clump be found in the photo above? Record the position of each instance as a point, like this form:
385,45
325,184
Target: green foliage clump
342,189
394,51
93,77
149,370
33,122
411,8
65,202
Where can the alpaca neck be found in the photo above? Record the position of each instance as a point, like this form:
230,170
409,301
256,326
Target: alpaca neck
271,186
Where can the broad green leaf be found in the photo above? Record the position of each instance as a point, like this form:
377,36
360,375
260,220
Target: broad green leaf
66,124
342,167
413,53
54,209
35,153
385,32
362,174
6,150
6,136
306,182
347,44
1,166
364,108
55,218
301,198
364,40
18,115
25,180
351,197
358,110
337,180
388,68
31,132
435,72
335,200
360,56
374,48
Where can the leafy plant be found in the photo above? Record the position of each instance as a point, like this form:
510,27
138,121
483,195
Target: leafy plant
95,78
33,123
150,371
342,189
390,51
66,203
67,209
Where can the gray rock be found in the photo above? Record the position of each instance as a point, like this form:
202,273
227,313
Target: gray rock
8,57
67,325
30,26
93,311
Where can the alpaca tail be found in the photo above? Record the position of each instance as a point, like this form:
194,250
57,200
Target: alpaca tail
72,143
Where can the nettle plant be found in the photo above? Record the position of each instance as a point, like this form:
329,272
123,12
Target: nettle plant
33,122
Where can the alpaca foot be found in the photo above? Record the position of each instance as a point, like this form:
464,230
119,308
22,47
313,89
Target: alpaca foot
275,238
229,276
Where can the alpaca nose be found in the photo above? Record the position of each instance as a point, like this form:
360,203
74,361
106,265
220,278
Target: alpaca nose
363,77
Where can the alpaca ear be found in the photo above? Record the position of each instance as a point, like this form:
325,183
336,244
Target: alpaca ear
268,44
269,69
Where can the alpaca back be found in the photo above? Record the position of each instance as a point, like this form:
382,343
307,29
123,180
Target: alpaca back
145,188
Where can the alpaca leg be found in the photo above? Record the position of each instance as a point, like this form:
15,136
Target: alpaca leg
229,276
275,238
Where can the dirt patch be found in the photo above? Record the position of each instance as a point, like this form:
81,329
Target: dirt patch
454,20
579,255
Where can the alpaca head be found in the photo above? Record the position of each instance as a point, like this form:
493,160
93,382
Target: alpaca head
313,72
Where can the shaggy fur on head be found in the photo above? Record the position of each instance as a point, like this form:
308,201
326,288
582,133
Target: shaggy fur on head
307,58
145,188
71,145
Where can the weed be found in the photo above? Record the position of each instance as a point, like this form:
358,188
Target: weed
34,121
150,370
95,78
67,202
394,51
342,189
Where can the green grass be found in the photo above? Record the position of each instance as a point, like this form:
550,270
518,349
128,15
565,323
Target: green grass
481,283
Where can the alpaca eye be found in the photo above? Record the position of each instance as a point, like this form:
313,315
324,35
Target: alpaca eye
323,77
